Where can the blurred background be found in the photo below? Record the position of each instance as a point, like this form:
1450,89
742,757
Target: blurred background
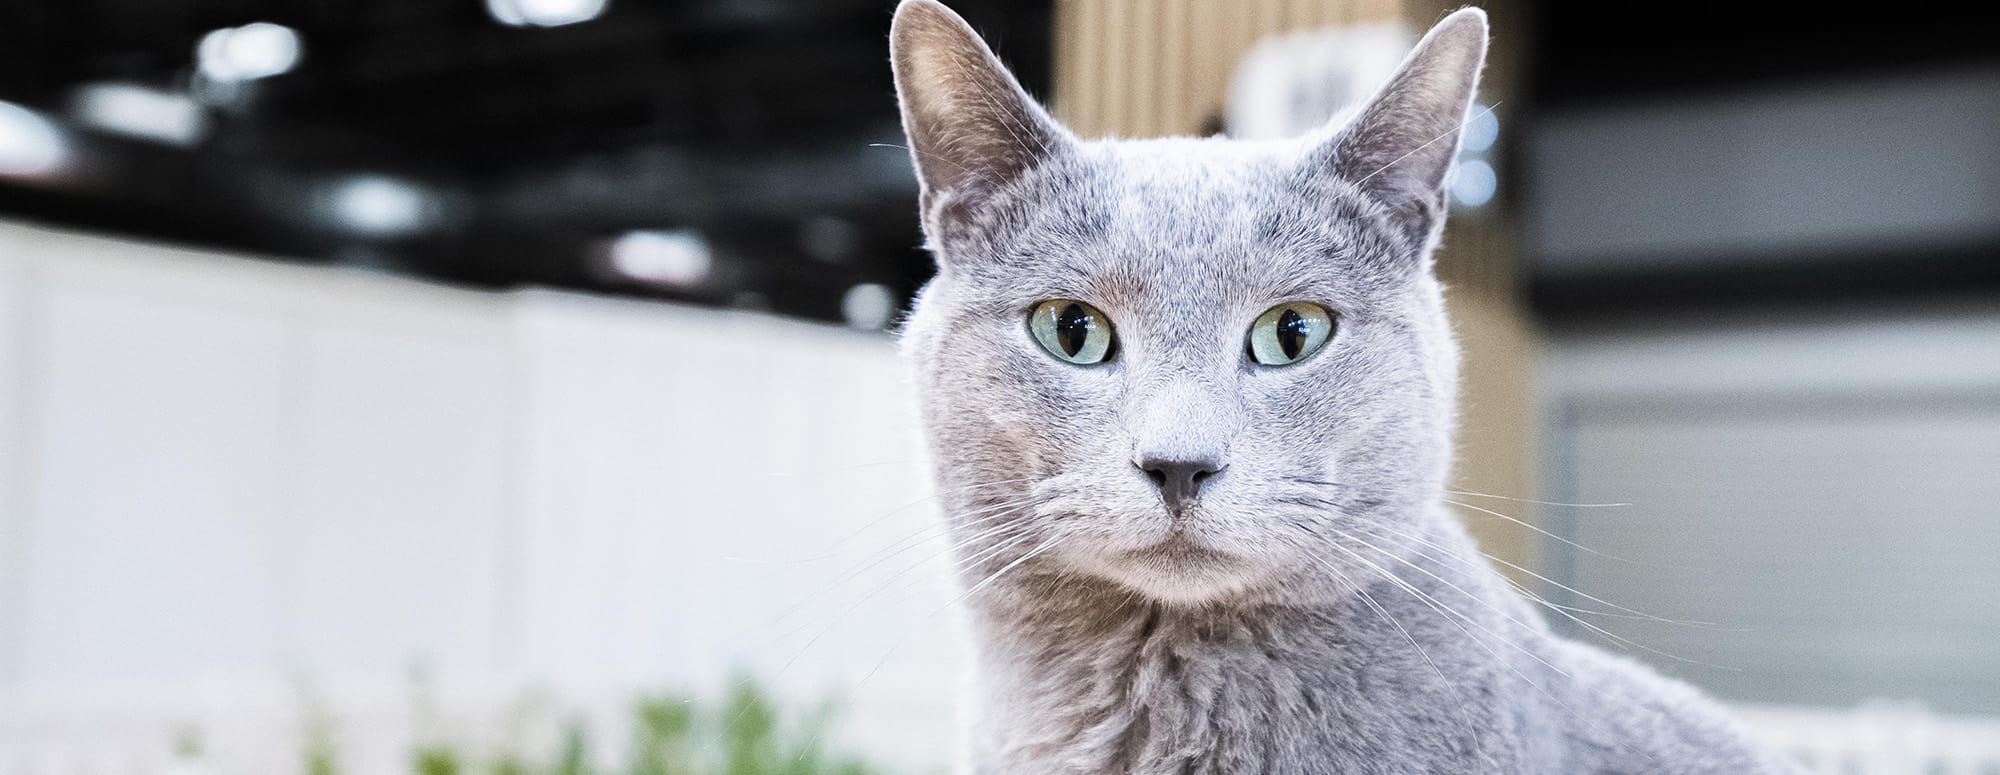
506,385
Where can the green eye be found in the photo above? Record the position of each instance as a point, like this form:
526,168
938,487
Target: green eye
1287,333
1071,330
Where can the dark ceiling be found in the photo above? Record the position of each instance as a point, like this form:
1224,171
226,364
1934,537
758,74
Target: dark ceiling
766,126
1587,51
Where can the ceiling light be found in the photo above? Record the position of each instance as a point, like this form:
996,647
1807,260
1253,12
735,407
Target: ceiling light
30,146
252,51
380,206
139,111
675,258
544,13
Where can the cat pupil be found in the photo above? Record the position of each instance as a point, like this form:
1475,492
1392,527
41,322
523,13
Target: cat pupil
1292,333
1072,328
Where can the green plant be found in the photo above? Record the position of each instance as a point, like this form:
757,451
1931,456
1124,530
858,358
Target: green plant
322,757
574,758
747,733
508,764
437,759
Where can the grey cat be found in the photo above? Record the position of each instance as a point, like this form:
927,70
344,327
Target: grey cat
1191,404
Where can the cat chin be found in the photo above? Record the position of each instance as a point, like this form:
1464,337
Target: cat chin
1182,574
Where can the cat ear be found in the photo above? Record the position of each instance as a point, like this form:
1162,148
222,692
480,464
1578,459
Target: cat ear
1399,147
972,129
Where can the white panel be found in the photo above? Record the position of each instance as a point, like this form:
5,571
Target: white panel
1844,552
1832,168
1843,348
240,474
707,491
157,393
604,493
14,289
402,433
1823,485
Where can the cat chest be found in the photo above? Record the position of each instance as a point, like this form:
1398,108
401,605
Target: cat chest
1201,711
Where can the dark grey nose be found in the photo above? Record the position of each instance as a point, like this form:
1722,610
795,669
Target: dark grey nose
1179,480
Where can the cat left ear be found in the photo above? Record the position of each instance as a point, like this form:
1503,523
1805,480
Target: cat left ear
1402,143
972,128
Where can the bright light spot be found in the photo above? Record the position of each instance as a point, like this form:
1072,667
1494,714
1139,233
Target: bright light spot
142,112
868,306
676,258
380,206
252,51
1473,182
544,13
30,145
1481,130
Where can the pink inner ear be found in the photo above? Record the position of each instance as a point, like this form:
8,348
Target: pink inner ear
971,126
1403,142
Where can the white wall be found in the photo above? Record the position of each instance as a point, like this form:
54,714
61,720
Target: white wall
223,477
1822,485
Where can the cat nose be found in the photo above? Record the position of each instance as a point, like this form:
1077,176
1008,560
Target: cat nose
1179,480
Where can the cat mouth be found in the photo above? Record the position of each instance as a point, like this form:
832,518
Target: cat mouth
1180,547
1179,567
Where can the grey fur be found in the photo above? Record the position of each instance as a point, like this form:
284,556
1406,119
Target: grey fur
1316,610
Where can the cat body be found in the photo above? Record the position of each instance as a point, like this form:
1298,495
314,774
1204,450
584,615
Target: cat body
1186,555
1100,682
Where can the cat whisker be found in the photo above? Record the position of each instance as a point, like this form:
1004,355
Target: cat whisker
1628,612
927,532
890,552
866,598
1516,622
1625,744
981,176
842,469
1460,706
1459,619
1433,141
1615,637
1534,597
995,507
857,532
1032,553
1344,536
854,692
1008,121
836,621
1451,615
1525,524
1536,502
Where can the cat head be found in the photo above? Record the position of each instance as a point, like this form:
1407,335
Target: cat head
1198,369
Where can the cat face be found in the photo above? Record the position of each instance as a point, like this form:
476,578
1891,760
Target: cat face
1192,368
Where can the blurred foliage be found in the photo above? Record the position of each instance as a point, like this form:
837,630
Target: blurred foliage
322,754
745,734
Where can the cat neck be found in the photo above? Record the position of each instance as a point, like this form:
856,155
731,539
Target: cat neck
1082,675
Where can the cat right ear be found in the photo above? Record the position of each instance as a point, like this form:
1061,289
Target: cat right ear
972,128
1401,145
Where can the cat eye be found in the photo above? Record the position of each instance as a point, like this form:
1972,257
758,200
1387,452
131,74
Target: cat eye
1071,330
1289,332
